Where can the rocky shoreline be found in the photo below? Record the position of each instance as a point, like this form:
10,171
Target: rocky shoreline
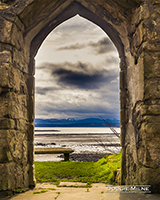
89,145
82,152
86,156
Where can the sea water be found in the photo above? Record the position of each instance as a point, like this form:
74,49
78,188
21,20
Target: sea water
74,130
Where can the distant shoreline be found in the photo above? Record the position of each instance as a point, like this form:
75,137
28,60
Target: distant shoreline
73,126
88,122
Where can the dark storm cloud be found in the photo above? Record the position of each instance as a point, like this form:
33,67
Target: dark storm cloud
79,79
102,46
71,79
82,75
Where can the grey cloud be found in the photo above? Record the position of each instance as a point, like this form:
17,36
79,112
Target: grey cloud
112,60
45,90
102,46
74,111
82,75
72,47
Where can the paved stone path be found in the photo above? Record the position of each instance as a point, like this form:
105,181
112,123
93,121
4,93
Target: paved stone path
97,192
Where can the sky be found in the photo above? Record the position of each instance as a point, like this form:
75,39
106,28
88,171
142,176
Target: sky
77,73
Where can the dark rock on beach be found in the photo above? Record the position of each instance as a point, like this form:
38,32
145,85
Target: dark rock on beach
85,157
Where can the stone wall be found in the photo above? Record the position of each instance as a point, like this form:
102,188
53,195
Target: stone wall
141,146
134,28
16,106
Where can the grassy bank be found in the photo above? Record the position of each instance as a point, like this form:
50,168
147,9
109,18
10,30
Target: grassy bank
105,170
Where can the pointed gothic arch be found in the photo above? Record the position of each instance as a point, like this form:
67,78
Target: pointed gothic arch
23,27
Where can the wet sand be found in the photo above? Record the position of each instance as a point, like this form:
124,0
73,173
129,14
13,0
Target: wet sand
87,147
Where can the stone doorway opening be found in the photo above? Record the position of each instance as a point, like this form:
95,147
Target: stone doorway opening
134,29
27,34
79,79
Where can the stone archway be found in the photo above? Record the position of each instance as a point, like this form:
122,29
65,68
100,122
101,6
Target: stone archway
134,29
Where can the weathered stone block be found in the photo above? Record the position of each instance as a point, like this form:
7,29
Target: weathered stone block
140,14
26,175
3,149
146,175
6,123
149,30
141,152
151,118
148,154
138,36
5,57
3,177
4,72
135,82
17,80
19,106
21,125
19,176
150,132
11,16
151,65
154,182
152,89
3,134
150,110
12,176
4,106
14,105
14,79
154,2
17,37
5,30
20,61
17,145
151,46
146,31
5,154
157,9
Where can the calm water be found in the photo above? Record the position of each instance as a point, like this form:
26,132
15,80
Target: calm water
75,137
73,130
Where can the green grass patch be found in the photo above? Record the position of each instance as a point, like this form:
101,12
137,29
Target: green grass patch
104,170
108,169
51,189
39,192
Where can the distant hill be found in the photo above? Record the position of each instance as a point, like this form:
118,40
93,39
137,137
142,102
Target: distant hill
70,122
